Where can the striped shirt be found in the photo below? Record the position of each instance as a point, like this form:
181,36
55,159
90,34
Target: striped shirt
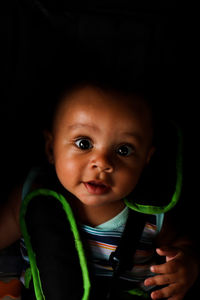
102,240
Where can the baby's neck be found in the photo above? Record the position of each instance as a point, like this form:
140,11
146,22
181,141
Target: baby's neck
96,215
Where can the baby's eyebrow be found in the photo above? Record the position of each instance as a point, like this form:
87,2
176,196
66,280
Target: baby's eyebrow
135,135
80,125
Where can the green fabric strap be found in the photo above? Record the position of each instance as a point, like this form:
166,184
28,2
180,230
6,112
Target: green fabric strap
82,259
140,293
148,209
32,257
27,277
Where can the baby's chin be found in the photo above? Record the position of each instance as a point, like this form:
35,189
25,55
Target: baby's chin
102,201
93,201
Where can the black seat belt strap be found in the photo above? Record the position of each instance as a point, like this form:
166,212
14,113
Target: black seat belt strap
122,257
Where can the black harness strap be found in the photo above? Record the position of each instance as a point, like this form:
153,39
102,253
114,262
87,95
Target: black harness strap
55,250
121,258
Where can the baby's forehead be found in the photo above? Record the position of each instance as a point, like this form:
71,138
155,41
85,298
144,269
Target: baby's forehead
104,110
89,101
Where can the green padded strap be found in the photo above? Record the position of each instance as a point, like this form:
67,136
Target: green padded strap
138,292
82,259
31,254
27,277
148,209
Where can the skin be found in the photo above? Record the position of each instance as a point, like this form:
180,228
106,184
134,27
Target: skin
108,126
181,267
173,273
89,116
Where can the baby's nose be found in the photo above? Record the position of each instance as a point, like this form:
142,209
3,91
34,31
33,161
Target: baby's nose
103,162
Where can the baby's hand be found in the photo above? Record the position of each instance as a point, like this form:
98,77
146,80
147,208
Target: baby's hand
179,273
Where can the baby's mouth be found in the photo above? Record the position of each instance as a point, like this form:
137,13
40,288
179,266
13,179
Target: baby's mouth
96,187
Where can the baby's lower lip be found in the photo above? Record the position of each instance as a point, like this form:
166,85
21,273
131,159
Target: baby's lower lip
96,189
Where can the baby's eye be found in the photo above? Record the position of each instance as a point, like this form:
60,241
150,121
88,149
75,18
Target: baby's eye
83,144
125,150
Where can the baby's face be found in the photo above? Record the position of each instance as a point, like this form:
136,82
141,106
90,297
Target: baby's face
100,145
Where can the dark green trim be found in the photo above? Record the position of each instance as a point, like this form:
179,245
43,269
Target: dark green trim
27,277
148,209
78,243
140,293
32,257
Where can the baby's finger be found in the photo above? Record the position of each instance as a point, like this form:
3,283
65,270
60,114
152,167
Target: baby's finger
170,253
166,292
160,280
166,268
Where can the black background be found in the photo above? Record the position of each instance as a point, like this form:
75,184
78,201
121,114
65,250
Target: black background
154,39
136,38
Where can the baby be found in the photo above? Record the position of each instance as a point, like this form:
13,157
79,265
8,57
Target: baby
100,141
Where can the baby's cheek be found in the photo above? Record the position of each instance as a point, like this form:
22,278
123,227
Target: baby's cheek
65,173
126,184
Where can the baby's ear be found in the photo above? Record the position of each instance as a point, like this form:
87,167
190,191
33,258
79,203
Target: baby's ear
48,137
150,154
